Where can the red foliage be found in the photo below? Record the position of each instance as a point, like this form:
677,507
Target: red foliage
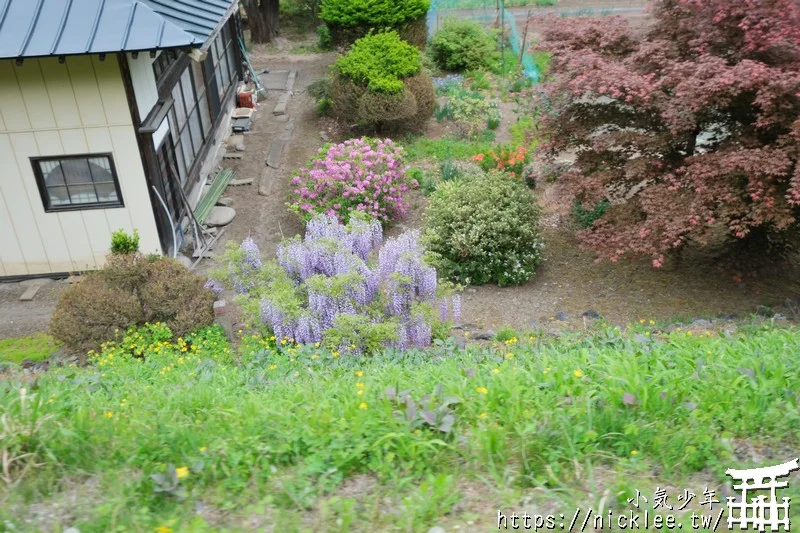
690,126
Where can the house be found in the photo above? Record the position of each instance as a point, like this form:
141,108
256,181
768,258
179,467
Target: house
111,112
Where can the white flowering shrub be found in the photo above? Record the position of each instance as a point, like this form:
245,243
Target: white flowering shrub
485,229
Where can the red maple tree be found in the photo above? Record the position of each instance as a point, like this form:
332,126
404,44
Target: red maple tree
687,127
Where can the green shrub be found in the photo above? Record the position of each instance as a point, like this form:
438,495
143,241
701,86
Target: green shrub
320,91
462,45
449,170
349,20
471,111
483,230
130,291
380,61
379,84
122,243
324,38
586,217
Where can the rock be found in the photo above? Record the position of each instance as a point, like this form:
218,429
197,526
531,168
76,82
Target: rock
701,322
186,261
239,147
283,101
562,316
220,216
72,530
473,291
728,316
779,316
274,155
591,313
765,311
436,529
225,202
533,324
324,136
237,183
485,336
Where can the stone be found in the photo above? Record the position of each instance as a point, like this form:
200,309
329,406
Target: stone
283,101
30,292
324,136
779,316
562,316
485,336
591,313
765,311
234,139
223,318
728,316
237,183
267,186
290,81
533,324
225,202
220,216
701,322
274,156
239,147
436,529
186,261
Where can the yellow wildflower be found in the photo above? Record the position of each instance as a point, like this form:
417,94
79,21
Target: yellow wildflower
360,392
163,529
202,449
360,385
482,415
273,367
546,370
363,405
495,371
182,472
634,452
577,373
482,390
359,373
108,414
335,354
509,356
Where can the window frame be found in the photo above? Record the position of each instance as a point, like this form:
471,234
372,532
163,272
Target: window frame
43,190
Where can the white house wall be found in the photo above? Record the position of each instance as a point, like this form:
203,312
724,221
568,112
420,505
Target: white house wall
143,80
53,109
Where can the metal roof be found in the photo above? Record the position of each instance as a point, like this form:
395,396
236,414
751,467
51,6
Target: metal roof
198,17
36,28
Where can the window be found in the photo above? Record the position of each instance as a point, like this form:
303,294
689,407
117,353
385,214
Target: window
77,182
162,64
190,120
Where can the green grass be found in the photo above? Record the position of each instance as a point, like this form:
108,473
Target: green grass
36,347
443,148
283,437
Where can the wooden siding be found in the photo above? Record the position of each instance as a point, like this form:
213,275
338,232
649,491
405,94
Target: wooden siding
49,109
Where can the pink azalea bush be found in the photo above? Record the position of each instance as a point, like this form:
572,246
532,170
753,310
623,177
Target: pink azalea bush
366,175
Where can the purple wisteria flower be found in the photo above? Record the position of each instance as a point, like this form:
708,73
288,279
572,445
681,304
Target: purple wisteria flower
336,273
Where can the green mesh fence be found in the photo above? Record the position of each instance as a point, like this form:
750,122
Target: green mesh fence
486,12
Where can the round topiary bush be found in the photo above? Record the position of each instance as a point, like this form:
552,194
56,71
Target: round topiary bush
379,83
484,229
130,291
462,45
349,20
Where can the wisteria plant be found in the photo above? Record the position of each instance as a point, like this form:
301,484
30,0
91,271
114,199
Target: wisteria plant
342,286
365,175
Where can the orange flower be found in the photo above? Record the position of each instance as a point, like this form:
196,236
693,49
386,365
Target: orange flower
478,157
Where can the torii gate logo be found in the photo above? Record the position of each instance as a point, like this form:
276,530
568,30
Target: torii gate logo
760,513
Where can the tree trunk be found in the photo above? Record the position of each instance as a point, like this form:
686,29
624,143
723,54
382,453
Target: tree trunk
262,16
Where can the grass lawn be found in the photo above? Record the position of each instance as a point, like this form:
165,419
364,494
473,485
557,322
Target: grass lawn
36,347
198,438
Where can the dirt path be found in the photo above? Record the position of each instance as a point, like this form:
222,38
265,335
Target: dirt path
266,218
